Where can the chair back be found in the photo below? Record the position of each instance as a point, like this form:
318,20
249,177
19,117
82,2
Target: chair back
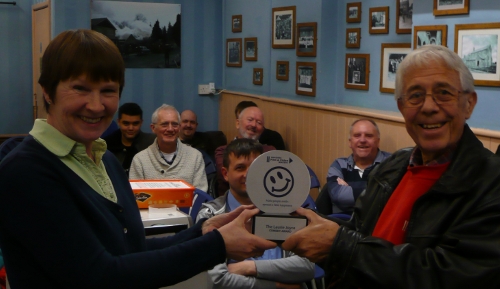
323,201
314,178
345,217
199,198
8,145
309,203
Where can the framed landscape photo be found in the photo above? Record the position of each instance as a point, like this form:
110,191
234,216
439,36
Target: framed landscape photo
258,75
233,52
306,78
391,56
433,34
451,7
307,39
404,19
353,12
251,49
237,23
379,20
283,29
352,37
282,70
357,71
477,45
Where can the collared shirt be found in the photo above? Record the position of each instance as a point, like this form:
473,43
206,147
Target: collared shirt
380,157
74,155
269,254
417,160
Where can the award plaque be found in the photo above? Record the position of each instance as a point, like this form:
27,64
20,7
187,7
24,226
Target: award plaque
278,183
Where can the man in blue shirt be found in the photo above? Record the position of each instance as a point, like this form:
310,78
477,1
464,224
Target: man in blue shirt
347,176
274,269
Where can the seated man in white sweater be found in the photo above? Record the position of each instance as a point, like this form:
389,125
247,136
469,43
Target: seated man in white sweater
274,269
168,157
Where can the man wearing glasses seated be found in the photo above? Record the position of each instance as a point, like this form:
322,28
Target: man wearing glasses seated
168,157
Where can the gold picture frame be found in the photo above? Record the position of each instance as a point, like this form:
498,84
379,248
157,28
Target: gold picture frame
305,80
476,44
430,34
357,71
251,49
307,40
283,27
353,12
258,76
352,37
378,21
447,8
236,23
391,56
282,70
233,52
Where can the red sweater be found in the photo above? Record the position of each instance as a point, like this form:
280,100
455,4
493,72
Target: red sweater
391,225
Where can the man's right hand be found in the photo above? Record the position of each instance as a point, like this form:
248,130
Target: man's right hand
342,182
240,243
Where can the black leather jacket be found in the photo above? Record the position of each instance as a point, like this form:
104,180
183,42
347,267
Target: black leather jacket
453,236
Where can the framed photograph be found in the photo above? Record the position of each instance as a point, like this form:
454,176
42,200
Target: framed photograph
138,48
357,71
433,34
237,22
379,20
282,70
451,7
352,37
404,13
233,52
353,12
307,39
251,49
283,30
391,56
306,78
258,75
477,45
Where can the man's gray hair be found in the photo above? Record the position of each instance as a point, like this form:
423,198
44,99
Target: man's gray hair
364,119
154,117
428,54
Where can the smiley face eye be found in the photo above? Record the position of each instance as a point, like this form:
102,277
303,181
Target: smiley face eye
273,180
280,175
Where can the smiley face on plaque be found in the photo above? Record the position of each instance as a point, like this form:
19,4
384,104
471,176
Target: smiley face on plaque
278,182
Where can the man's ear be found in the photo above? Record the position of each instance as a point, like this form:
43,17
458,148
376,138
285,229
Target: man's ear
152,126
223,171
471,101
237,123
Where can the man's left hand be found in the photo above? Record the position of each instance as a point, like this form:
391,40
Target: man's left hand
314,241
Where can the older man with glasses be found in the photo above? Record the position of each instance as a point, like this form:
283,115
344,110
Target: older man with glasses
168,157
430,215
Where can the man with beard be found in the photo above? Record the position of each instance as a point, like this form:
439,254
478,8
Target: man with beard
250,125
347,176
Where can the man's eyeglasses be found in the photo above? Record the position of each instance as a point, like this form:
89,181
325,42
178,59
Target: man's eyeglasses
167,124
441,96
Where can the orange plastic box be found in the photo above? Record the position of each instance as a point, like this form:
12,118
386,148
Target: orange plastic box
152,192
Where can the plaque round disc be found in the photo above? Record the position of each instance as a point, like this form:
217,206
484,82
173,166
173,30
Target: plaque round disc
278,182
